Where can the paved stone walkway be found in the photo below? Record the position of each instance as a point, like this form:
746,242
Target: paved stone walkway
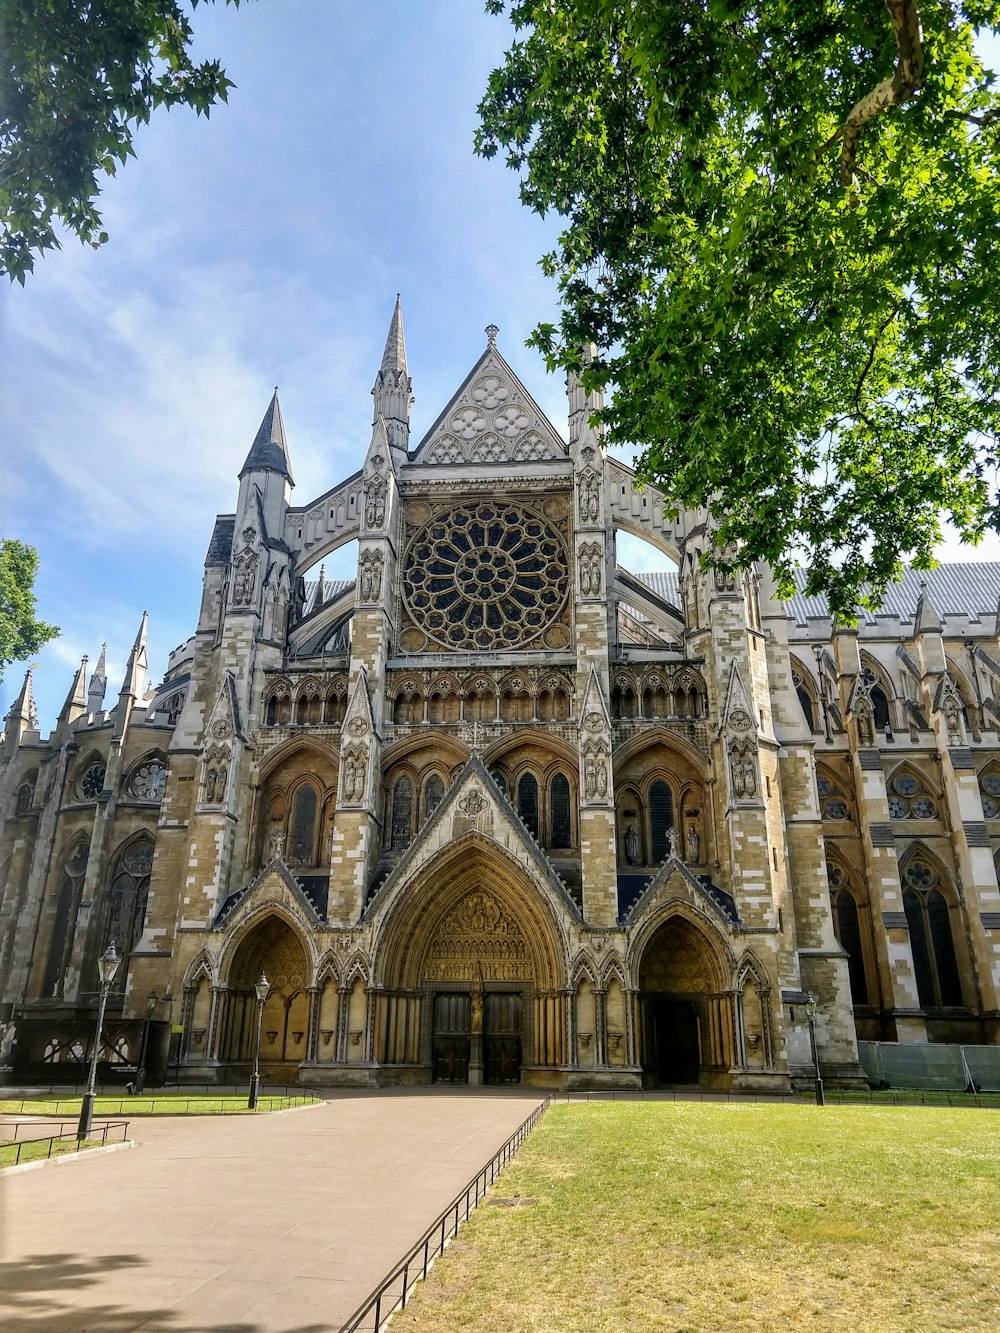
239,1224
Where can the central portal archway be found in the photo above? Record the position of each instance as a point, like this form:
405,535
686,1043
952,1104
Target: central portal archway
686,1008
472,964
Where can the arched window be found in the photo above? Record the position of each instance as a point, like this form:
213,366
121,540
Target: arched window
65,918
499,779
908,797
271,716
661,821
303,840
433,794
127,899
24,798
928,917
559,812
527,802
880,702
804,700
147,780
402,813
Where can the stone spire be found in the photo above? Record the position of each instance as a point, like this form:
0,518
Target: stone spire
391,390
926,618
269,451
98,682
23,715
76,701
137,667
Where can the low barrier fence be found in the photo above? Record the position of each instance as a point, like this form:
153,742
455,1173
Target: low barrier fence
392,1292
156,1105
12,1152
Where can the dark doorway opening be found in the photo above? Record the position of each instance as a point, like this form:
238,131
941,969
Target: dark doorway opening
502,1039
672,1035
451,1038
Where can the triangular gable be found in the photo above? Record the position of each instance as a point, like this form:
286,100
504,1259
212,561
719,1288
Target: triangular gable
275,884
473,804
491,419
674,882
737,713
224,720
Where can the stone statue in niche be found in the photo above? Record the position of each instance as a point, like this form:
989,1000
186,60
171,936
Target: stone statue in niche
590,498
590,571
371,577
693,845
298,599
355,772
375,503
476,1003
953,721
632,852
590,775
245,579
602,774
866,724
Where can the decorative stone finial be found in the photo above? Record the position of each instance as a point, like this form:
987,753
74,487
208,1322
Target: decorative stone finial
491,335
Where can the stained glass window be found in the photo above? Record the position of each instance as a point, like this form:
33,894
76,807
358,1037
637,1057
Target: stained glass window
661,820
433,794
560,812
527,802
303,839
402,813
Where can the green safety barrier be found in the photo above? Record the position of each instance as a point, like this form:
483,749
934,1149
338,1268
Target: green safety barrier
930,1065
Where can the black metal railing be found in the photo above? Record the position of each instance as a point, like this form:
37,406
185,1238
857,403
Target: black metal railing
168,1104
102,1133
392,1292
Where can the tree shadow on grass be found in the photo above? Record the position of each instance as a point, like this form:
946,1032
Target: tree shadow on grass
38,1295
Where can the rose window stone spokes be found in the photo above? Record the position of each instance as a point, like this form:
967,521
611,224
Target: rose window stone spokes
148,781
486,576
92,781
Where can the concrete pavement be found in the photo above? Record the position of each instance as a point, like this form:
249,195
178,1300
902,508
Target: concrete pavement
241,1224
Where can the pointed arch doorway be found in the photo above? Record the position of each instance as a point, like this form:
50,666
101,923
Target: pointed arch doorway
686,1009
471,964
273,948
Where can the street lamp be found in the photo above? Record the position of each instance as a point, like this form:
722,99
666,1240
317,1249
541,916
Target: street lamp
152,1000
107,966
260,990
811,1014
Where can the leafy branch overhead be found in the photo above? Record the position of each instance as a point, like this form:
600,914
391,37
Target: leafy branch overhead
782,226
77,77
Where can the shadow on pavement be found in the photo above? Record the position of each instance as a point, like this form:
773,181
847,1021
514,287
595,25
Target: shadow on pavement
38,1295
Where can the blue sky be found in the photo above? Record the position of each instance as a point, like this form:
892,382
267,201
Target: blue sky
263,246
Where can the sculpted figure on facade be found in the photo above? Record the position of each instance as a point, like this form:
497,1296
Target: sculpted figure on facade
590,497
632,852
693,845
590,570
371,576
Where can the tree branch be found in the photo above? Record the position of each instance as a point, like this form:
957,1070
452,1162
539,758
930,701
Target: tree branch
893,91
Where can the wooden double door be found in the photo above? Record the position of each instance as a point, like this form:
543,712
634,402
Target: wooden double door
672,1041
452,1038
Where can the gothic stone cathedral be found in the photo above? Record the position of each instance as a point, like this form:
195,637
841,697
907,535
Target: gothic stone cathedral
499,810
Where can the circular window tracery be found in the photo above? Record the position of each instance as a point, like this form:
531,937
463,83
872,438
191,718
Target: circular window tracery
92,781
486,576
148,780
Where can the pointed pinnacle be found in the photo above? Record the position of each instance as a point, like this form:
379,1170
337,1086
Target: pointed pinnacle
394,356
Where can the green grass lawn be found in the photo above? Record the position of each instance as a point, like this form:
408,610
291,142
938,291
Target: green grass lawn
686,1216
30,1152
181,1103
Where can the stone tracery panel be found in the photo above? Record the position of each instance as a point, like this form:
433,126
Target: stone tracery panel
486,576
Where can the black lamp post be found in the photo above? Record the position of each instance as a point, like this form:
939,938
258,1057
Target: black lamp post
811,1014
152,1000
260,990
107,966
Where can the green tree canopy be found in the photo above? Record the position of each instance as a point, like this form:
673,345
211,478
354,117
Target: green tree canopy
76,79
783,231
20,633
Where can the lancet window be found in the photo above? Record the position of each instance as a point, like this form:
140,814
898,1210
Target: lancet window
929,919
64,918
129,891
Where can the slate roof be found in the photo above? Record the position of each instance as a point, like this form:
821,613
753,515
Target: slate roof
220,548
971,590
269,451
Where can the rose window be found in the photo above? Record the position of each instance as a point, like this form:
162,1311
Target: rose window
486,576
909,800
148,780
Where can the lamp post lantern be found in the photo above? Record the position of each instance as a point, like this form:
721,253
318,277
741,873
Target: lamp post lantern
811,1014
152,1000
260,990
107,966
